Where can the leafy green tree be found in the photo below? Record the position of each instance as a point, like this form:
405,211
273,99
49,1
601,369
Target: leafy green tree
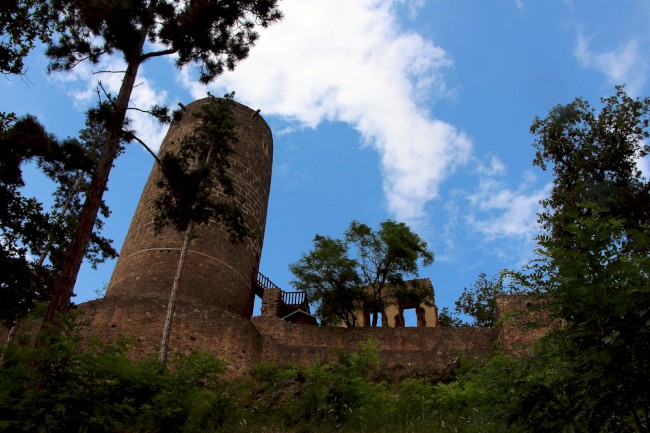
27,229
372,277
448,319
601,295
213,35
329,277
594,157
593,263
386,257
479,301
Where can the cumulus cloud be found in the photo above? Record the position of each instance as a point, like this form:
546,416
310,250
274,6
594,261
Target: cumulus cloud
413,7
491,219
349,61
83,82
497,211
625,65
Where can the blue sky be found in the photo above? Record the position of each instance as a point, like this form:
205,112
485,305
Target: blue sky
413,110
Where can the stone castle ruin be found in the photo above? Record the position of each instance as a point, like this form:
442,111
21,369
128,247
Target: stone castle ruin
220,280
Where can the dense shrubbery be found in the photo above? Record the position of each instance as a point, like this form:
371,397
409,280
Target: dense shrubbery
60,387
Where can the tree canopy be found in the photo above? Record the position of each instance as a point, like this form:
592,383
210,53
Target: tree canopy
367,269
593,265
386,258
479,301
329,276
22,23
594,157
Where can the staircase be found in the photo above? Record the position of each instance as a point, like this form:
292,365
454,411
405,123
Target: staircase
291,301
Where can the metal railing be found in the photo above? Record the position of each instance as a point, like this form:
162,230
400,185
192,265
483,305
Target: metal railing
294,298
264,283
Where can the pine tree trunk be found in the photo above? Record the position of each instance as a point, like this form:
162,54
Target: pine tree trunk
67,277
10,339
172,298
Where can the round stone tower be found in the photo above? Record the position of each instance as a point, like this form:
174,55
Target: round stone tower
215,296
217,271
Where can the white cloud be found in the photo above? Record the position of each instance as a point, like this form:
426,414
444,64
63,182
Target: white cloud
625,65
519,4
84,85
348,61
497,211
413,7
643,164
494,167
514,214
492,220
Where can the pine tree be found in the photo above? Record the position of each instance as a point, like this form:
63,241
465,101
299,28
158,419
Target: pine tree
212,34
33,239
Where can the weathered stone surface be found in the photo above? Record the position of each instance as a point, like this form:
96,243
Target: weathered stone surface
430,348
195,326
215,299
522,321
217,272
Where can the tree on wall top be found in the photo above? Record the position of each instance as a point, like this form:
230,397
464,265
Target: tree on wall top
366,269
329,277
386,257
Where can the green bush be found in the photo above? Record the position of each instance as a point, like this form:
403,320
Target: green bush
62,386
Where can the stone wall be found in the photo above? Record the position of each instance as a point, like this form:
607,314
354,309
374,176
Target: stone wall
430,349
215,298
244,343
225,334
521,322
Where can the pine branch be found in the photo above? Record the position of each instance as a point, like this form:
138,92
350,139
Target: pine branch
108,72
148,149
157,54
